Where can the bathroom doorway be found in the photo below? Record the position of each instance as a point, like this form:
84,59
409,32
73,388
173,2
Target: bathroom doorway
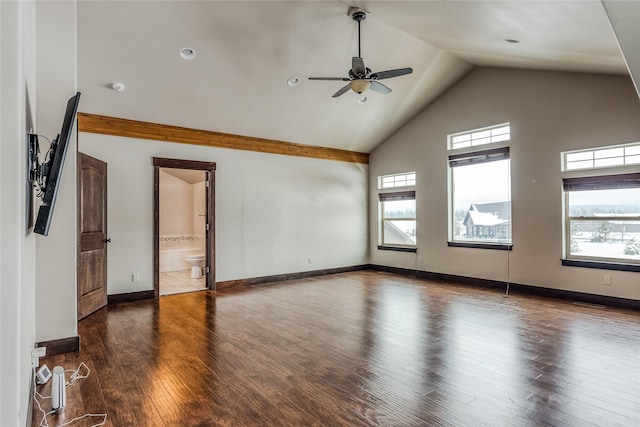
184,226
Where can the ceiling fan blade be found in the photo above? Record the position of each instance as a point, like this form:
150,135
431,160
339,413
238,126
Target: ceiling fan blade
357,66
379,87
341,91
342,79
391,73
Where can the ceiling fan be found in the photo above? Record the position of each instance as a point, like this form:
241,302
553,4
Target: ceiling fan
361,78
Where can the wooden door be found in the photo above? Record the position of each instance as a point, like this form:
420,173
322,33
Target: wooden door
92,235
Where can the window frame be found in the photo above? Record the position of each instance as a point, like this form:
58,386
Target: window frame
409,179
471,133
482,154
600,182
395,196
591,155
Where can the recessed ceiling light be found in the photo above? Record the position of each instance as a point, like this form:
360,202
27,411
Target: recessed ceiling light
514,41
187,53
293,81
118,87
363,100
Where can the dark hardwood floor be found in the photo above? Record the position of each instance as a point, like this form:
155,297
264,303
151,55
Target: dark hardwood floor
356,349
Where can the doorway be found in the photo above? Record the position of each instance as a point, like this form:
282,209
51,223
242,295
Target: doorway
184,226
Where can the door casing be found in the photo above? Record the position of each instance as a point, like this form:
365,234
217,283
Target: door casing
210,168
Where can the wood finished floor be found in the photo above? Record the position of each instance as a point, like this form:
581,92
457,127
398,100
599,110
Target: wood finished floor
357,349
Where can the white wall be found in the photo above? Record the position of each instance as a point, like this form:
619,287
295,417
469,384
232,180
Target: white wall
273,212
17,243
549,113
56,253
176,205
624,17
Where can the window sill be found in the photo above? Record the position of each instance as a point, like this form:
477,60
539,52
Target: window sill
494,246
397,249
601,265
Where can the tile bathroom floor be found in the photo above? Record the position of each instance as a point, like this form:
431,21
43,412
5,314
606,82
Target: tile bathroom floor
177,282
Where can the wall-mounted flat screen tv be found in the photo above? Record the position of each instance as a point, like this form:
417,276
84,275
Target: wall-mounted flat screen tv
52,168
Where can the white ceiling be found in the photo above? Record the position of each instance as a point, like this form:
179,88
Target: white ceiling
246,51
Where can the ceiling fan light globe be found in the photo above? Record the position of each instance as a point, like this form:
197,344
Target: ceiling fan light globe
359,86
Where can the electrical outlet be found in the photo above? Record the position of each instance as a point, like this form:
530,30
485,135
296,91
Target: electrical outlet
135,277
309,260
419,259
607,279
36,354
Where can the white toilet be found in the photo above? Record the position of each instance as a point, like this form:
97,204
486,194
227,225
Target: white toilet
196,262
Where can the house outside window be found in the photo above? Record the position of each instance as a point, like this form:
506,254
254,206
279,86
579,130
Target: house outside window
480,194
602,219
397,214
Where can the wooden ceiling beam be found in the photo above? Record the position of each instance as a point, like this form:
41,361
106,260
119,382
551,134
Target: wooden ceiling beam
93,123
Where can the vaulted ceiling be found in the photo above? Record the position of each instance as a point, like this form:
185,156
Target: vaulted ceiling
247,50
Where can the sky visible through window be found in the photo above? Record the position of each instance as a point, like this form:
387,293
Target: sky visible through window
481,183
604,201
400,209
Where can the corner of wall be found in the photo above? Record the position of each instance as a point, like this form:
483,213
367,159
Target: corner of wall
17,243
56,301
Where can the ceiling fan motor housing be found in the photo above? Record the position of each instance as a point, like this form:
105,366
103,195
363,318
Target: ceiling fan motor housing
354,76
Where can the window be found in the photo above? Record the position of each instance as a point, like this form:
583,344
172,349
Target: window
398,220
619,155
480,209
406,179
482,136
602,216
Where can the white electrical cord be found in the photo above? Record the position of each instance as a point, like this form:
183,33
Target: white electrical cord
104,420
75,376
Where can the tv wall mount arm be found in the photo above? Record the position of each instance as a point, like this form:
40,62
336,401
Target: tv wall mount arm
39,171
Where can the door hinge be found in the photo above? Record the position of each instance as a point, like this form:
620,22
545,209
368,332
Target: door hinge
206,183
207,227
206,270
